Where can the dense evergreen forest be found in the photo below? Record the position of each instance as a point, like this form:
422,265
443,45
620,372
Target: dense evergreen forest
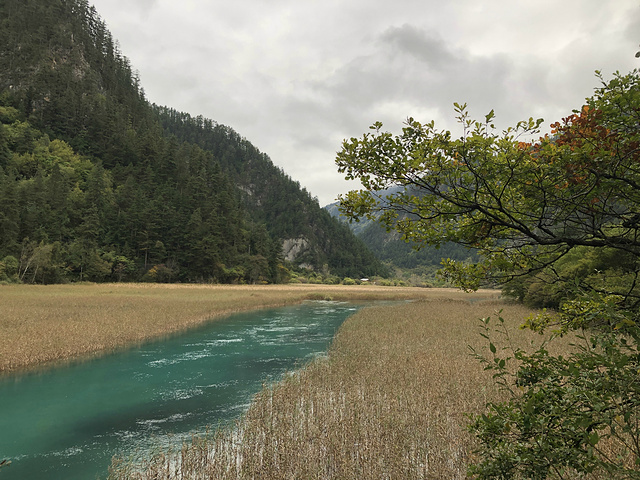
98,184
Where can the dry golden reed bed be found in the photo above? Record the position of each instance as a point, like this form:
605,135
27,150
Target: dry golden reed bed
43,324
388,403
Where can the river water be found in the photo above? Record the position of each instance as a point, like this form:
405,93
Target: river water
67,422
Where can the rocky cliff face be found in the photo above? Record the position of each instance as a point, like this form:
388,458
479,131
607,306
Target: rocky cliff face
293,248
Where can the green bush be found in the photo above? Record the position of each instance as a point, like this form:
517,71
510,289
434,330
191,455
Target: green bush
9,269
564,416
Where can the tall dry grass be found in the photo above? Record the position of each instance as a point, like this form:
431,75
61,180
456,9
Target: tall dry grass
389,402
44,324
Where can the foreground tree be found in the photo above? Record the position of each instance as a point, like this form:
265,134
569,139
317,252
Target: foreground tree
556,221
524,206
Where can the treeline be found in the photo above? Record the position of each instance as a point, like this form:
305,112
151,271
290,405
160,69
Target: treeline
65,217
97,184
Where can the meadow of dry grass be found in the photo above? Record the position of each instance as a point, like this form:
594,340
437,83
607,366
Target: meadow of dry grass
389,402
44,324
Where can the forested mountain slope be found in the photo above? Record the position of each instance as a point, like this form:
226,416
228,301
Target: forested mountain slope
98,184
392,249
310,235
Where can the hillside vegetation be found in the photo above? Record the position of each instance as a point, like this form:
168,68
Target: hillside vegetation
98,184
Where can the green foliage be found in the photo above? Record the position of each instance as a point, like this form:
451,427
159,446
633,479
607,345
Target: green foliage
122,268
581,269
159,274
9,269
556,222
565,415
588,311
527,208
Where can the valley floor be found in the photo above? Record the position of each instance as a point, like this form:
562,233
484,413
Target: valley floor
46,324
390,401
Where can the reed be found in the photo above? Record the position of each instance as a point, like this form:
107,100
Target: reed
389,401
44,324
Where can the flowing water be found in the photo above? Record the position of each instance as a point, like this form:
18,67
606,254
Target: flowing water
67,422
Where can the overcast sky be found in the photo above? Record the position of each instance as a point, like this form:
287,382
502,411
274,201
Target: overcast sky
297,77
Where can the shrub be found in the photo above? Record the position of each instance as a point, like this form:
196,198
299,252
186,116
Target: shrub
565,415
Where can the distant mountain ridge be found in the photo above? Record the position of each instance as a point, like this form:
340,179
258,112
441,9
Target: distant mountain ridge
98,184
391,248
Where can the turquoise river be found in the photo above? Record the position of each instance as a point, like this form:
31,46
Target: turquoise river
67,422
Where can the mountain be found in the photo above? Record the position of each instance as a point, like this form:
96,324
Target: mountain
399,254
96,183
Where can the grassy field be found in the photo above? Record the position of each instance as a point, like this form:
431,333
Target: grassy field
389,402
44,324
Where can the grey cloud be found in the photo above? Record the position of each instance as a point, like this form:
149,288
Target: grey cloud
632,31
139,8
420,44
385,77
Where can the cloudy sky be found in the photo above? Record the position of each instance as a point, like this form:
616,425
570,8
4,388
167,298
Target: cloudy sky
297,77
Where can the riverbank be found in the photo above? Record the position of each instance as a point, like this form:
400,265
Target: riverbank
43,324
390,401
